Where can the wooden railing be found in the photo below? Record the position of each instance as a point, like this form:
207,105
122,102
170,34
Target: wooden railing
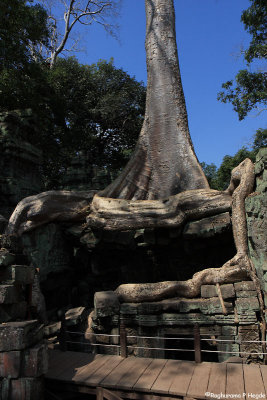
102,394
123,345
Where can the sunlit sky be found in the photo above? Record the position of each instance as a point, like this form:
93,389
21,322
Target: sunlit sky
210,38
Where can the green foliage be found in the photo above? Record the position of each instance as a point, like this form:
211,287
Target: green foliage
102,108
23,81
250,88
219,179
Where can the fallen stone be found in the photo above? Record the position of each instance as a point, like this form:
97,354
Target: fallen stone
19,335
227,291
75,316
10,362
23,274
106,304
9,294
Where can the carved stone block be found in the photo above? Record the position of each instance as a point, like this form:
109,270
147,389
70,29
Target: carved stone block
106,304
247,304
227,291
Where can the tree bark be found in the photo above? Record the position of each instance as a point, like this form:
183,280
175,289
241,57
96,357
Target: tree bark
164,162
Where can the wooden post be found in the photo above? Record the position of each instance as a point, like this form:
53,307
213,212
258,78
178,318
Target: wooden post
63,334
99,393
197,345
123,340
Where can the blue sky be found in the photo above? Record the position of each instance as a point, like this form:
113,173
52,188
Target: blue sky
209,38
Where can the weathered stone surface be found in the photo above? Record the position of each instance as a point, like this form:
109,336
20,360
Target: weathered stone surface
244,286
75,315
247,304
213,306
246,335
9,294
18,273
247,294
13,312
106,303
23,389
256,211
229,330
207,227
35,361
227,291
47,249
6,258
10,364
19,335
187,319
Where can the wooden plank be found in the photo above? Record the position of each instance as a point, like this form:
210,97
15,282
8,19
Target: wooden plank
95,378
263,369
180,385
199,382
253,380
131,376
82,374
234,379
217,381
149,376
111,380
166,377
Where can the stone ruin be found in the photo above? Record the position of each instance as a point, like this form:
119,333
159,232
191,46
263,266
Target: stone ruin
76,261
239,321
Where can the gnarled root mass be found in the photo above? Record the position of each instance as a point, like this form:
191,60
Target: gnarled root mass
239,267
54,205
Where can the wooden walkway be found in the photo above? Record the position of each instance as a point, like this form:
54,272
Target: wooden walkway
145,378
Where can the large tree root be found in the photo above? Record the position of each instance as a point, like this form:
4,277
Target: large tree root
54,205
239,267
139,292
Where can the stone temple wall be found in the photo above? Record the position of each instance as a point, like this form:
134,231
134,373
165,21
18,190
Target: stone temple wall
23,353
256,208
176,317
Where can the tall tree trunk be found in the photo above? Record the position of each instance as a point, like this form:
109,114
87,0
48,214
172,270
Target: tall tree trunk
164,162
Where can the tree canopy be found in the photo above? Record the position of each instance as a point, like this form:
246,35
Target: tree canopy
219,178
249,91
